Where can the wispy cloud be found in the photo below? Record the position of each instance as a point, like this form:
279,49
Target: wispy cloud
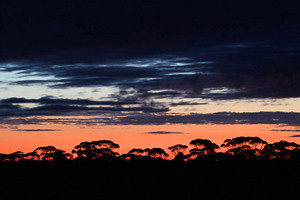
37,130
155,64
55,101
187,103
47,106
295,136
163,132
273,118
225,72
285,130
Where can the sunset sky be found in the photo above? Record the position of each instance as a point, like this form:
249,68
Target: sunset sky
147,73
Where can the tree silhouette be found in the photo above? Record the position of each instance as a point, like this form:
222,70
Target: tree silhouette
31,156
15,156
129,156
2,157
42,151
157,153
96,149
178,151
138,152
58,155
239,147
281,150
257,143
147,152
202,147
252,142
51,153
244,146
178,148
244,151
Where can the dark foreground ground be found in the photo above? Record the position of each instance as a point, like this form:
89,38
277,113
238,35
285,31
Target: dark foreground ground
151,179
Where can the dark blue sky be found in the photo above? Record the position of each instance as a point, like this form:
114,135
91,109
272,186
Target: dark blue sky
141,59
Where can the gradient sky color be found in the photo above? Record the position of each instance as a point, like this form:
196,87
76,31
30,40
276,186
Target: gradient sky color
147,74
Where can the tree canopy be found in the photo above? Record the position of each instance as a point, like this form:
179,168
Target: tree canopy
238,147
96,149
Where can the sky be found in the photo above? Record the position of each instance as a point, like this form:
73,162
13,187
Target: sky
147,73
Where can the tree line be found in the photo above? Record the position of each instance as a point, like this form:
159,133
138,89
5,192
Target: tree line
239,147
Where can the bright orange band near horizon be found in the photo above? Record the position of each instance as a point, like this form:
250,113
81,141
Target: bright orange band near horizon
134,136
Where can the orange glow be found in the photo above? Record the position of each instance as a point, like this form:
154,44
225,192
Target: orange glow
133,136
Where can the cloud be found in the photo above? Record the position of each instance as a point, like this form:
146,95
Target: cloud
37,130
187,103
47,106
163,132
143,118
295,136
158,94
164,52
181,56
33,28
215,71
285,130
4,106
53,101
67,110
284,118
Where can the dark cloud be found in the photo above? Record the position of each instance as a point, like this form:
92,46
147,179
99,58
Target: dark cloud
284,118
285,130
50,106
295,136
160,94
67,110
35,27
151,51
4,106
52,100
187,103
262,69
35,82
161,49
272,118
163,132
37,130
